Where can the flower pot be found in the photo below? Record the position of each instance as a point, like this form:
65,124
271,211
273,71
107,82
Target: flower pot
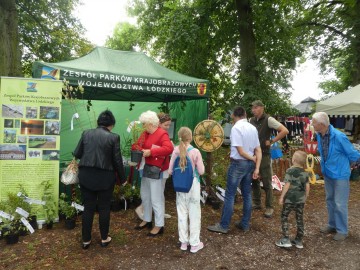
70,223
62,216
23,230
115,206
49,225
136,156
214,202
33,222
12,238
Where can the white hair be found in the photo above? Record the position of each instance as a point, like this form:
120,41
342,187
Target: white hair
149,117
321,117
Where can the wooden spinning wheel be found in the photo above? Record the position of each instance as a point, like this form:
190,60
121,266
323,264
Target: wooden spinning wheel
208,135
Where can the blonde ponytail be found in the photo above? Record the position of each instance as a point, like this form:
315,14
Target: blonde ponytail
185,137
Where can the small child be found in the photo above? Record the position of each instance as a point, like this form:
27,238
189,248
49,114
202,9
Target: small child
293,197
188,204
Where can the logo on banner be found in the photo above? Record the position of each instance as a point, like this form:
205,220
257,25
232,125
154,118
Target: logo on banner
31,87
201,89
50,73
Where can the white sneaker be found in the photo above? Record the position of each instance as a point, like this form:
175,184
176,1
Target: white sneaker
184,246
195,249
167,216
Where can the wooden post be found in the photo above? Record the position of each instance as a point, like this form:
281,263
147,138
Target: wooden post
208,168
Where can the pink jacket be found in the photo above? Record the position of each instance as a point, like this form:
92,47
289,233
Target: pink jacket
195,157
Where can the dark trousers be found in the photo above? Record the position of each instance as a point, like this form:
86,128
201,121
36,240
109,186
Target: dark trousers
91,198
299,210
266,178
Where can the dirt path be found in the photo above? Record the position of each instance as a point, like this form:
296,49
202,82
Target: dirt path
60,249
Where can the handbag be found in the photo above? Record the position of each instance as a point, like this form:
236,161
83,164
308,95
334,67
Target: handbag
151,171
70,175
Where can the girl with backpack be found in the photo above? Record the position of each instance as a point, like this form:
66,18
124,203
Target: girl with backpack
188,203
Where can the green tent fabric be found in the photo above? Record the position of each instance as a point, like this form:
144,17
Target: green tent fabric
109,78
108,74
190,115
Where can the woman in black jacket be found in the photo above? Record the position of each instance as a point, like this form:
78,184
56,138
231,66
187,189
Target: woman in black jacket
100,157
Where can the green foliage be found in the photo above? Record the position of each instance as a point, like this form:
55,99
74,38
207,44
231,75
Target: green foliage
126,145
127,191
120,237
48,198
124,38
202,39
65,207
220,166
334,31
9,206
49,31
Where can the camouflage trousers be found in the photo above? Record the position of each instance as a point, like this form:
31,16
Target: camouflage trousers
298,208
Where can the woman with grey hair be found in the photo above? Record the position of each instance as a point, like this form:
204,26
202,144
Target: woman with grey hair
156,146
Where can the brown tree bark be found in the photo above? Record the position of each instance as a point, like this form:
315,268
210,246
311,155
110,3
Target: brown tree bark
248,58
355,71
10,61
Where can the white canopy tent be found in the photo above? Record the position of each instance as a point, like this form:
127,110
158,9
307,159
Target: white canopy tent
345,103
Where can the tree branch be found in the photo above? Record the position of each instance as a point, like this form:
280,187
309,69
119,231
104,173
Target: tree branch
329,27
329,3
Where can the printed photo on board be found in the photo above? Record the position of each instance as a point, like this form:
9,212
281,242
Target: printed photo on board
31,112
50,155
49,112
12,152
52,127
8,123
9,136
11,110
42,142
32,127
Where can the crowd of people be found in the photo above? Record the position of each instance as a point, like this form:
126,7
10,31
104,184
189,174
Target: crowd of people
250,162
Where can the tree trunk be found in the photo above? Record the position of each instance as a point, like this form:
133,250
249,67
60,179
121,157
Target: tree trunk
355,71
248,58
9,41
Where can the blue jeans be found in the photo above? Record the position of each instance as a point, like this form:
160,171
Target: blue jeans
239,172
337,198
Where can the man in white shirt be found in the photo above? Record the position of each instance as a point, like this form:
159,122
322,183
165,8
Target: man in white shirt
245,159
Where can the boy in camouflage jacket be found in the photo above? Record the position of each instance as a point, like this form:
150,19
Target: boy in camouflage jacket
293,197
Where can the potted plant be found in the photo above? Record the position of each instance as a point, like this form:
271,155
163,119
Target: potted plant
134,199
10,230
116,198
50,205
68,211
10,227
130,195
136,131
32,218
14,201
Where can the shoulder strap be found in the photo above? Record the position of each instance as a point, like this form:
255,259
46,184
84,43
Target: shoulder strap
195,170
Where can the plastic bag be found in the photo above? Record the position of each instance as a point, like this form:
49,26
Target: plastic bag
70,175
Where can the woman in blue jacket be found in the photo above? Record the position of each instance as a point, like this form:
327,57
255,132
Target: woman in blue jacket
336,153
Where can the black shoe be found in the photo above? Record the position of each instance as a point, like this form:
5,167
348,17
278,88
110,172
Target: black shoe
161,231
240,227
105,244
86,245
256,207
147,225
